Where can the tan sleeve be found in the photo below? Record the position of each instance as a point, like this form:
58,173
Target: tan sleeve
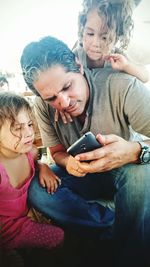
45,119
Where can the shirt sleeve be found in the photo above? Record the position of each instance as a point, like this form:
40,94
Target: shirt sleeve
133,102
45,119
137,107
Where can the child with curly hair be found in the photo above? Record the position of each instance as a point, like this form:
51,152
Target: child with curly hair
17,168
104,31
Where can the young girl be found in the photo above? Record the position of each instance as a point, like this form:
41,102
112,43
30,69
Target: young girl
17,168
102,25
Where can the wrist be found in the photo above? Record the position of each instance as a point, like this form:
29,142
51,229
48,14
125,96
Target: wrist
136,149
127,66
40,165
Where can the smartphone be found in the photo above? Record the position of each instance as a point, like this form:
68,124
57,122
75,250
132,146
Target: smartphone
86,143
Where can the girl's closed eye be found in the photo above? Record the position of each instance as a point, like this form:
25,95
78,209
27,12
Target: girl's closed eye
90,33
17,127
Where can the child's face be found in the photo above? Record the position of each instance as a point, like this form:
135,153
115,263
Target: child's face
97,42
19,137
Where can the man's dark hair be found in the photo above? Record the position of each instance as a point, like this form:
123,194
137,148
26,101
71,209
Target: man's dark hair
40,56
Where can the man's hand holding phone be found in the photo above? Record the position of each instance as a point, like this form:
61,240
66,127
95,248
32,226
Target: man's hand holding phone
73,167
114,153
86,143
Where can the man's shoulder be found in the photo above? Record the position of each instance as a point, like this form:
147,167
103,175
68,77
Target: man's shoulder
120,83
109,75
118,75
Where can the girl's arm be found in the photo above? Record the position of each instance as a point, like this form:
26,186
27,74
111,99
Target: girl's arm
47,177
139,71
120,62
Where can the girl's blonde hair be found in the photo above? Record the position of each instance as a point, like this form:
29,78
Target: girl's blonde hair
10,105
117,16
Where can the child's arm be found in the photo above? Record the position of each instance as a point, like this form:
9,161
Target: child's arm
47,177
120,62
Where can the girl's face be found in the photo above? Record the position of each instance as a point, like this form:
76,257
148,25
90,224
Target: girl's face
97,41
19,137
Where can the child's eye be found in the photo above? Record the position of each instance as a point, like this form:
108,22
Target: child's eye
17,128
90,33
30,124
104,38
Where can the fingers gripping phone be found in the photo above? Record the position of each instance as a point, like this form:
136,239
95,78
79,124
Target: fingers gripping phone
86,143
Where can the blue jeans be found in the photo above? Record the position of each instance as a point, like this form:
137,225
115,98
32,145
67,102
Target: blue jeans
70,206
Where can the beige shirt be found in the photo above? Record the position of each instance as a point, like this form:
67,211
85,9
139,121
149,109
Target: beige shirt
117,100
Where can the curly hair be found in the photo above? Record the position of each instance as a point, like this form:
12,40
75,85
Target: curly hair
10,106
117,16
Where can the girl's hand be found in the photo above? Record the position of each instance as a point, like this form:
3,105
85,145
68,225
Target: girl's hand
48,178
65,116
118,61
73,167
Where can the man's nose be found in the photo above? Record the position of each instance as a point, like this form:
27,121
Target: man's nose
63,100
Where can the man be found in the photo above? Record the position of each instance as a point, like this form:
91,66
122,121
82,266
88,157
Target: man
106,103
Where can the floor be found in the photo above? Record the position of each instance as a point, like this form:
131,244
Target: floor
75,252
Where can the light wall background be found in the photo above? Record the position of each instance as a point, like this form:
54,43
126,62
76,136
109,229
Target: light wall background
22,21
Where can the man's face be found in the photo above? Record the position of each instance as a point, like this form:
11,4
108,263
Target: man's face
65,91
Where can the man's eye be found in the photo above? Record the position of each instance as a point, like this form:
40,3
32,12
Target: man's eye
67,87
51,99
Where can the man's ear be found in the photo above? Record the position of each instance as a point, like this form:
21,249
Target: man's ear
80,65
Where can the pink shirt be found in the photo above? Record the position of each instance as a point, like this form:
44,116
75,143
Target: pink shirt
13,203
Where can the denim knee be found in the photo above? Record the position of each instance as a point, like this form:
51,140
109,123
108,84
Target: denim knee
132,200
135,178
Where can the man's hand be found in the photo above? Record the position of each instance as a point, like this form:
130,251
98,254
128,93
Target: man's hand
114,153
73,167
65,116
48,178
